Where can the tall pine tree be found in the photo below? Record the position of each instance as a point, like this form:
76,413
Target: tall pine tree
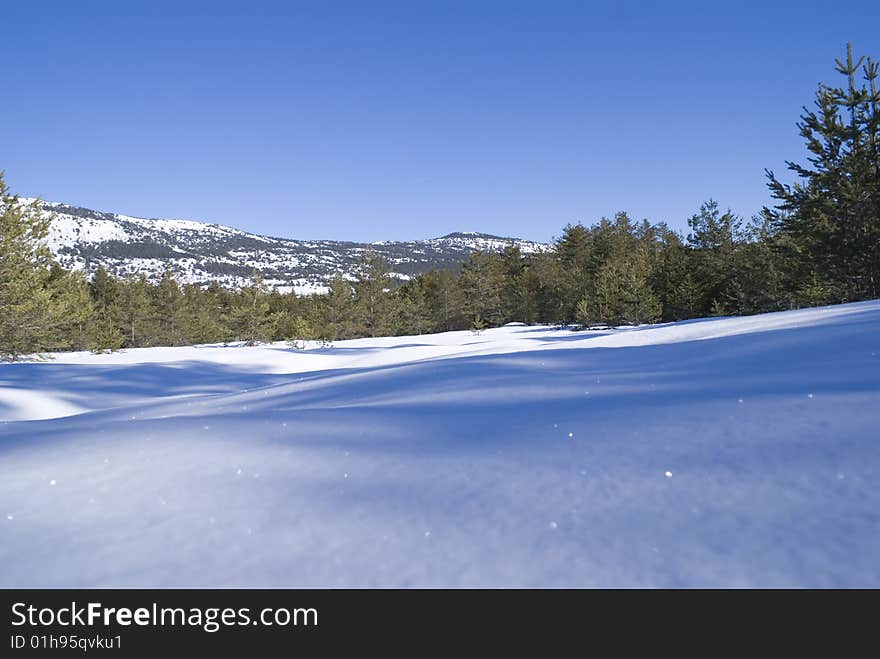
29,315
829,221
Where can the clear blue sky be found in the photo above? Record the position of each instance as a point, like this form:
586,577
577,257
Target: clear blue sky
392,120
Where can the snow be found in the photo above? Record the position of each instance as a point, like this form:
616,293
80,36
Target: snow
455,459
79,235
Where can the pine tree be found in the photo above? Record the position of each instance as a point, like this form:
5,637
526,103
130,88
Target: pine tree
443,300
760,271
220,301
678,291
584,314
550,296
607,300
715,239
299,332
168,304
250,316
408,309
573,277
103,333
639,304
829,221
201,315
27,310
72,309
481,281
371,300
517,287
337,310
478,324
135,312
104,289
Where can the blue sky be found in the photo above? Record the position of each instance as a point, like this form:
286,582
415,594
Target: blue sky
394,120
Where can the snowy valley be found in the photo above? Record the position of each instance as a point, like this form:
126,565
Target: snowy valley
715,452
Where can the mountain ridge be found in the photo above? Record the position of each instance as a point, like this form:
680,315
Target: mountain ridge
81,238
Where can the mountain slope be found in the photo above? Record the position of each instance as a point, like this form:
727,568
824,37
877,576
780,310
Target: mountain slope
81,238
717,452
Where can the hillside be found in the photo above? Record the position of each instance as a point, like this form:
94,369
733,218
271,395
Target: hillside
81,238
715,452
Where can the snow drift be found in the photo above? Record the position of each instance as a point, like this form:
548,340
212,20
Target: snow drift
718,452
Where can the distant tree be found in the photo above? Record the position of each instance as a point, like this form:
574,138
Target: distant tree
443,300
168,303
202,318
550,295
678,291
135,312
623,295
762,283
250,316
337,310
371,300
103,334
518,302
478,324
299,333
221,302
716,239
481,281
74,311
409,310
584,313
104,289
573,277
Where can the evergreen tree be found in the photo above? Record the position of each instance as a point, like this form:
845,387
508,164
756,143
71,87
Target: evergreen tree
478,324
104,289
28,314
518,301
409,309
481,281
443,300
221,302
250,316
135,312
337,311
550,295
829,221
761,272
202,320
73,310
639,303
371,301
299,332
574,277
168,303
103,333
678,291
715,239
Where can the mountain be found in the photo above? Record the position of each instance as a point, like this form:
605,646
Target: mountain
83,239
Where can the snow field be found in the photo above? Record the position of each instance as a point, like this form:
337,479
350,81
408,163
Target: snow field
718,452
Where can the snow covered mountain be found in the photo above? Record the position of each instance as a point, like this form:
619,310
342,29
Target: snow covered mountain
715,452
81,238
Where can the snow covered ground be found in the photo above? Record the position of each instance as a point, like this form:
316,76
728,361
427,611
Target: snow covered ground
720,452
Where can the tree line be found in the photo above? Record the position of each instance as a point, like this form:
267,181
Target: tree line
820,244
